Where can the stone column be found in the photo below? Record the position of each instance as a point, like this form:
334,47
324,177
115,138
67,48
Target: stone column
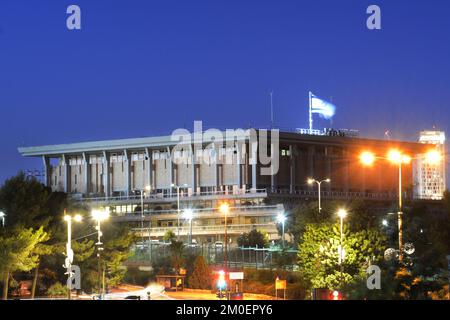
194,172
238,165
127,165
254,162
47,171
106,177
66,164
87,173
171,175
149,155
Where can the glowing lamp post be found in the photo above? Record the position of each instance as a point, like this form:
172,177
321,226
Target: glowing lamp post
281,218
178,206
69,252
398,158
2,216
188,214
225,209
99,216
147,188
319,183
342,214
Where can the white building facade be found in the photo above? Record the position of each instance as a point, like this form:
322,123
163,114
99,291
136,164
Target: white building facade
429,178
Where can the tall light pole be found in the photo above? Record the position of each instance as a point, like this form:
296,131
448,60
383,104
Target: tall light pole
319,183
397,158
281,218
342,213
225,209
147,188
69,251
2,216
188,214
99,216
178,207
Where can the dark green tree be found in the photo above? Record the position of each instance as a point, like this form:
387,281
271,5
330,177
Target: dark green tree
201,276
252,239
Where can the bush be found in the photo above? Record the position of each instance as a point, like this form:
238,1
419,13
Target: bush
201,276
57,290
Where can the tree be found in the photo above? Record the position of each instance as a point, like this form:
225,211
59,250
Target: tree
25,202
252,239
201,276
177,254
169,236
18,253
318,256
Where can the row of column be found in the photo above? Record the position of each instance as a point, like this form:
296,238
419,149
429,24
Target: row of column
127,172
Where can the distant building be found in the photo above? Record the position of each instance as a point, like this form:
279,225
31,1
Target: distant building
113,173
429,179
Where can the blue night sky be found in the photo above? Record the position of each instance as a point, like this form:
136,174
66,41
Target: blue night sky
144,67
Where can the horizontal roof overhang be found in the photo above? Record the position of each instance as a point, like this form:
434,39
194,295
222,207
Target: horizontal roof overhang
125,144
168,141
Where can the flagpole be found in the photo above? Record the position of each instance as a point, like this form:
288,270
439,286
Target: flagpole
310,113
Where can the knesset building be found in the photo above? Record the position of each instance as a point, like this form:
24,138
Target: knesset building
114,173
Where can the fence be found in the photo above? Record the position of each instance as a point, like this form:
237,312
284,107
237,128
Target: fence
238,257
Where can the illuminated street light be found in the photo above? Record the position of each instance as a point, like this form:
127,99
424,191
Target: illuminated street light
173,185
99,216
148,189
225,209
281,218
367,158
319,183
342,213
384,222
69,252
188,214
2,216
398,158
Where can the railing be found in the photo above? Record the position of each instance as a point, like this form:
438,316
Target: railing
220,229
240,209
173,195
339,194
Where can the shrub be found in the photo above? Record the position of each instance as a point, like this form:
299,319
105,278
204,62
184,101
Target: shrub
201,276
57,290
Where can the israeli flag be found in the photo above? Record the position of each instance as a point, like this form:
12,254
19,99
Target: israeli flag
323,108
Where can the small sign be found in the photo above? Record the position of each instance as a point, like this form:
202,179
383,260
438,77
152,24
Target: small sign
236,276
280,284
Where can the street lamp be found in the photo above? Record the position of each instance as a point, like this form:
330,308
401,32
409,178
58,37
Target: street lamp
178,206
342,213
281,218
2,216
99,216
225,209
69,252
147,188
188,214
311,181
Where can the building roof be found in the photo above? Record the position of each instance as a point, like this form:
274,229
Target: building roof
166,141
